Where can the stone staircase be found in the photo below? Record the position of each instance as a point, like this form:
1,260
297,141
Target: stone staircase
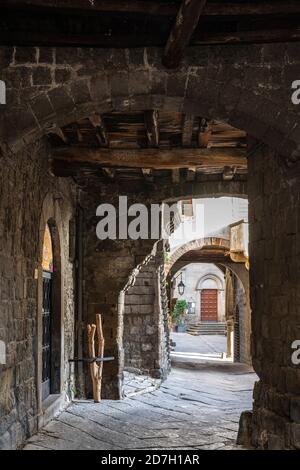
211,328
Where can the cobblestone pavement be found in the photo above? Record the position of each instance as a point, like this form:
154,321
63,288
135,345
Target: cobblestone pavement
193,409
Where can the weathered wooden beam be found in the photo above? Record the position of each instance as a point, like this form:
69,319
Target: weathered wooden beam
153,158
252,8
160,8
228,173
204,133
186,22
249,37
78,132
29,31
187,130
121,6
148,174
151,125
101,134
59,133
109,172
191,174
176,175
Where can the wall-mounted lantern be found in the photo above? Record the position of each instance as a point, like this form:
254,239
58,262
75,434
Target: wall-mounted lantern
181,286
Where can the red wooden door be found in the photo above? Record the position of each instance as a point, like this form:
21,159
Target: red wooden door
209,305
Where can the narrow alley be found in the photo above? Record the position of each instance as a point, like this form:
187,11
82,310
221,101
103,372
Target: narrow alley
193,409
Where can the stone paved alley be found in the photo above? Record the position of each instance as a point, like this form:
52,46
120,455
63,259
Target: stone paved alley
193,409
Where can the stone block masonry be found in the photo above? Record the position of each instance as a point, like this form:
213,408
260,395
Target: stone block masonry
25,185
274,287
146,345
248,86
49,87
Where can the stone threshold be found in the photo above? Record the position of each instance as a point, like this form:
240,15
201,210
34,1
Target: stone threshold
52,406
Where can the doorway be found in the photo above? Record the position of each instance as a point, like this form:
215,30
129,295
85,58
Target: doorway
51,323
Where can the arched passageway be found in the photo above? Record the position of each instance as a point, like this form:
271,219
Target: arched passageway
50,137
235,292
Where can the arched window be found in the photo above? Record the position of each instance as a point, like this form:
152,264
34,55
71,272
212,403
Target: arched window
47,261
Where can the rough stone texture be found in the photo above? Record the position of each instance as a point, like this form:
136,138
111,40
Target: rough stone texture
241,302
274,282
250,86
24,184
145,333
195,245
245,429
110,269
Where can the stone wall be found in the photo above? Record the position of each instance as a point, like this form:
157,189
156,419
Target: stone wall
25,185
146,345
110,269
275,287
48,87
242,304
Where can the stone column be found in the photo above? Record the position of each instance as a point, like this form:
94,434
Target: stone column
275,295
229,338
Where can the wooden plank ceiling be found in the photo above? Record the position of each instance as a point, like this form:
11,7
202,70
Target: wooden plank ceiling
132,23
146,146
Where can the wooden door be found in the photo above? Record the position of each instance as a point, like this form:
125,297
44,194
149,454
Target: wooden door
209,305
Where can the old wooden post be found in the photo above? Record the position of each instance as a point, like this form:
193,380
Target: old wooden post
96,367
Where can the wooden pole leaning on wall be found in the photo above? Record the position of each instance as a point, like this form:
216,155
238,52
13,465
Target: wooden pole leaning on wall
96,368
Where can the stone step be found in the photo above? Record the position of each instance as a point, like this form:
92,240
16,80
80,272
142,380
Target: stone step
197,329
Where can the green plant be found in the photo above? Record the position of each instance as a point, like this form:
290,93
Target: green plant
178,313
166,256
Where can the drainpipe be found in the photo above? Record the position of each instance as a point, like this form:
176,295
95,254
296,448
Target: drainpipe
79,302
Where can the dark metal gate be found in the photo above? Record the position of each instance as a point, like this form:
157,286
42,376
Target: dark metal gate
237,335
46,339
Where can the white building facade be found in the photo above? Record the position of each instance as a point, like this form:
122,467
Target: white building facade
204,291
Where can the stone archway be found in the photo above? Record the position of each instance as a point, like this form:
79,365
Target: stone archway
216,250
212,85
216,89
209,243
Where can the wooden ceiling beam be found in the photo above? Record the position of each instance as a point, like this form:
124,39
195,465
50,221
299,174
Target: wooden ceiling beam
187,130
153,158
176,175
109,172
151,125
248,37
204,133
186,22
164,8
59,133
101,134
191,175
148,174
228,173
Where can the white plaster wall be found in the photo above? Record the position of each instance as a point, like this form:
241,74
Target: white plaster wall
191,276
217,213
